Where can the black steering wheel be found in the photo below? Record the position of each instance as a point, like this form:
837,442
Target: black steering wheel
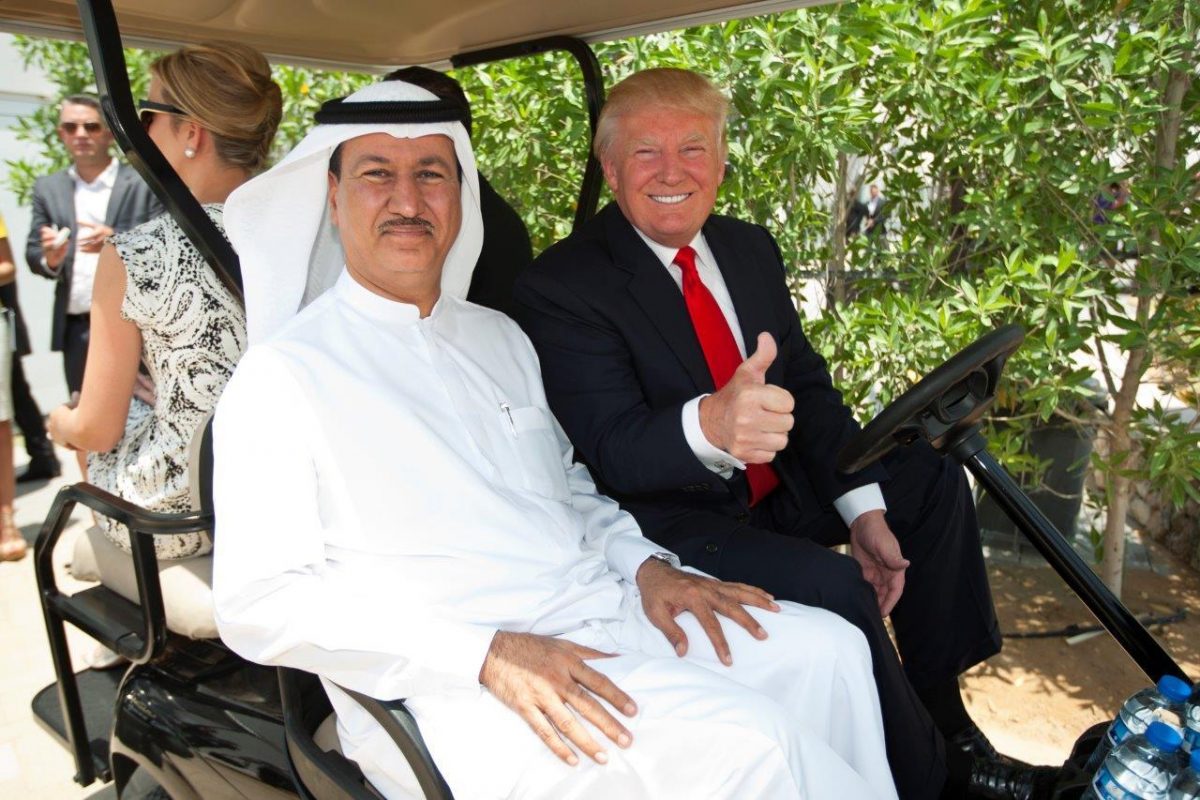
942,406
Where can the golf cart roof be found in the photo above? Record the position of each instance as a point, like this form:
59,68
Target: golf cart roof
370,34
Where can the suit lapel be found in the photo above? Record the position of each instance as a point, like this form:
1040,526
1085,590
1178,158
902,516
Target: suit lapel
743,278
655,291
120,191
64,199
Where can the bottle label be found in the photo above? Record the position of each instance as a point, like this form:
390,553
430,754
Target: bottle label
1118,732
1107,788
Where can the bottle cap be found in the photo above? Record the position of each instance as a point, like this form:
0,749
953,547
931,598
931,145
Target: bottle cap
1164,736
1174,689
1195,761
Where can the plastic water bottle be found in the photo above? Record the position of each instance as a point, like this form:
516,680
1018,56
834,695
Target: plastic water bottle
1191,723
1140,768
1154,702
1187,785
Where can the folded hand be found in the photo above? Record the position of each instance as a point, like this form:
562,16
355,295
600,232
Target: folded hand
877,551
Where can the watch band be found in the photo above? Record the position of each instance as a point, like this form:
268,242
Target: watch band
667,558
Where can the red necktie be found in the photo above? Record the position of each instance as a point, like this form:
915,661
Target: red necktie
720,351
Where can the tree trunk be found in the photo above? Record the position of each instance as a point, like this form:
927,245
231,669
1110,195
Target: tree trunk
835,269
1120,488
1121,458
960,245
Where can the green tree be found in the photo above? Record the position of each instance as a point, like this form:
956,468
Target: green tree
1008,122
994,126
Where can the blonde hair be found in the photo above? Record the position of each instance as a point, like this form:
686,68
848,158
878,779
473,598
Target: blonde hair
227,88
667,88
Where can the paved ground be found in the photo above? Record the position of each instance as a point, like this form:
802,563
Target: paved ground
33,764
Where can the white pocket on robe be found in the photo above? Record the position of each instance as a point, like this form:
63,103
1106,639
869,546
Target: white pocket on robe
537,446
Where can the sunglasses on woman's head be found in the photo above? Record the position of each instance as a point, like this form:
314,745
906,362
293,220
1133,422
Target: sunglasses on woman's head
148,108
69,128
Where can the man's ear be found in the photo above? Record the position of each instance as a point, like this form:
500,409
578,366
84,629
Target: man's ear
333,187
610,172
724,156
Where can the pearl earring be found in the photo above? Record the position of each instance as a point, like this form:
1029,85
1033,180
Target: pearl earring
189,152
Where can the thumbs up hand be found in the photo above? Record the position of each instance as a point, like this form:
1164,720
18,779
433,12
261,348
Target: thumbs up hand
748,417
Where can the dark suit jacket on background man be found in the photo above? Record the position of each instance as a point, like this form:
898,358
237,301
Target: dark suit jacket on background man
131,204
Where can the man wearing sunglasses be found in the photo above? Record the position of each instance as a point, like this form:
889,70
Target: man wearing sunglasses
74,211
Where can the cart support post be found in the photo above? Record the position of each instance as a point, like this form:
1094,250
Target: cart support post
1133,637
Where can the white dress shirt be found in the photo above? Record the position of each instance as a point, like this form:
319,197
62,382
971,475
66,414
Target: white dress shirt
91,208
851,504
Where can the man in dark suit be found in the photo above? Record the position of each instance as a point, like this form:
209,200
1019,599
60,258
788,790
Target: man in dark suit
876,216
643,320
74,211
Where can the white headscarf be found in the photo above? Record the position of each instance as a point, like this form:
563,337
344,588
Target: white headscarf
279,221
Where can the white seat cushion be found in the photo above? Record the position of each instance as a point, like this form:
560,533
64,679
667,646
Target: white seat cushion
186,583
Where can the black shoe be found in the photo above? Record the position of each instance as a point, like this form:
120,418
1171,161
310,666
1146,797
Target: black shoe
971,741
996,780
40,469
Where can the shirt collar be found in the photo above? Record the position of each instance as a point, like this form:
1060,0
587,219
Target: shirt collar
105,180
377,308
666,254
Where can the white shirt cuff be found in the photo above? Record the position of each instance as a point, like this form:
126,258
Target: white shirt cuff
859,501
706,452
626,553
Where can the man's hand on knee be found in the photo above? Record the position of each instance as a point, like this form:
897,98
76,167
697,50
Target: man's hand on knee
748,417
546,681
877,551
668,592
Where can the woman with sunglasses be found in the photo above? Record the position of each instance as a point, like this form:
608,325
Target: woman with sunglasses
212,110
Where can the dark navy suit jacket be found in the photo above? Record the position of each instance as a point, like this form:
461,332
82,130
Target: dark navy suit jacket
620,359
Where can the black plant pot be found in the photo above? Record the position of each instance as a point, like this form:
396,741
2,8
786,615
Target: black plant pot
1068,448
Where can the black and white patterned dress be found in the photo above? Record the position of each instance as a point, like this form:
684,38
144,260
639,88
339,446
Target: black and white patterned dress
193,333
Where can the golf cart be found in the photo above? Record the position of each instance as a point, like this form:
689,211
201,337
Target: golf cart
190,719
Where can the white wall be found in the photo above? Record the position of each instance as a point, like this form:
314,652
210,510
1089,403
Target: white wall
21,92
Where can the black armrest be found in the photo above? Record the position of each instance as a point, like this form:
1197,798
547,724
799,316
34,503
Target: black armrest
395,718
143,526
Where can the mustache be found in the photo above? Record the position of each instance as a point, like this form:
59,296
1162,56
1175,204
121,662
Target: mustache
401,221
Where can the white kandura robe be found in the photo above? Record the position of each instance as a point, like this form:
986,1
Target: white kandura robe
393,490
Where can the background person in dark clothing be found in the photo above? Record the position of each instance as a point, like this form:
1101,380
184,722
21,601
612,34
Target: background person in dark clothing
74,211
43,463
875,210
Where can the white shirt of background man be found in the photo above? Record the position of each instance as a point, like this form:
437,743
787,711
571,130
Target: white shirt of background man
91,208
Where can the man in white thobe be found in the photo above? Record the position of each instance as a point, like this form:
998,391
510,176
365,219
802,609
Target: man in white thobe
400,514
